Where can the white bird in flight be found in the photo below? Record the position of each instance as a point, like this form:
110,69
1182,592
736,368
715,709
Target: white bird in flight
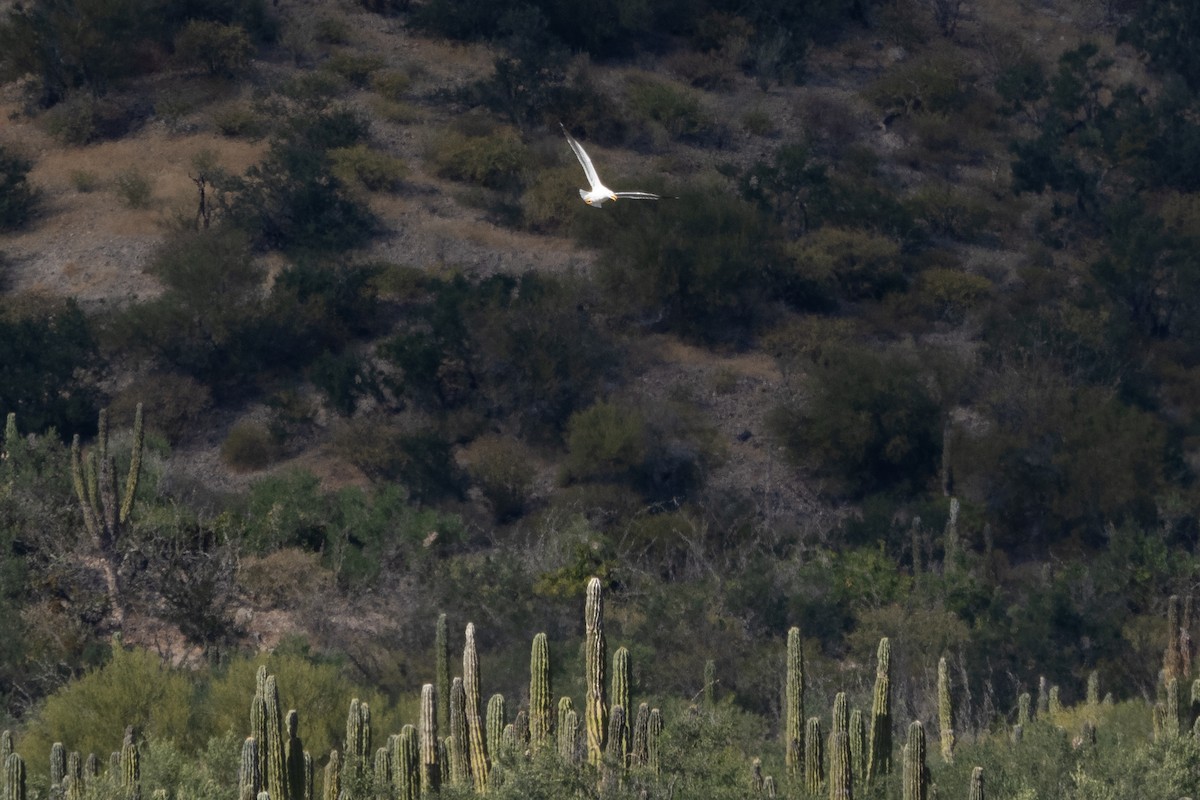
599,194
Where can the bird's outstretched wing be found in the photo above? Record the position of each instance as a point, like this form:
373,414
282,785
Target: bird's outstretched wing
638,195
582,155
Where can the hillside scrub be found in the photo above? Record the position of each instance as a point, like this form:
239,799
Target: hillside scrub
912,354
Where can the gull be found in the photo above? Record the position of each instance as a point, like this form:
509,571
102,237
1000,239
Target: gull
600,194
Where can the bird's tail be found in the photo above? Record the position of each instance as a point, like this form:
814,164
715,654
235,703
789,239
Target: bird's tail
583,194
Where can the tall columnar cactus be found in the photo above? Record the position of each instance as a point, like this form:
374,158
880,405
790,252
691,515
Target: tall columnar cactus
1093,689
249,776
840,718
381,774
476,746
916,773
1043,697
1170,723
945,711
73,786
276,775
654,728
814,758
258,722
879,756
1157,713
58,766
540,698
12,444
1171,662
131,766
14,777
1023,703
568,737
565,707
91,767
497,720
428,740
976,790
333,777
618,738
769,791
307,790
756,776
105,514
710,683
441,655
1053,703
839,779
619,694
793,702
456,740
6,745
294,756
406,764
357,745
595,711
637,746
858,745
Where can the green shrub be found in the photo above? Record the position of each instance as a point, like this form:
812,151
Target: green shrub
605,442
416,456
238,120
18,199
391,84
355,69
870,422
85,181
133,688
248,447
133,187
495,159
940,83
861,265
504,470
678,110
371,169
949,294
947,211
47,357
701,264
223,50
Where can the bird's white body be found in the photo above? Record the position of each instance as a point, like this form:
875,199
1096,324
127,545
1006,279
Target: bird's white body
599,194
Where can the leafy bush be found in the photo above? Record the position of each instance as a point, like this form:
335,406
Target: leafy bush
869,422
677,110
371,169
355,69
236,119
861,265
412,455
605,442
948,294
292,199
223,50
701,264
18,199
133,688
249,447
133,187
503,346
494,159
47,360
503,469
